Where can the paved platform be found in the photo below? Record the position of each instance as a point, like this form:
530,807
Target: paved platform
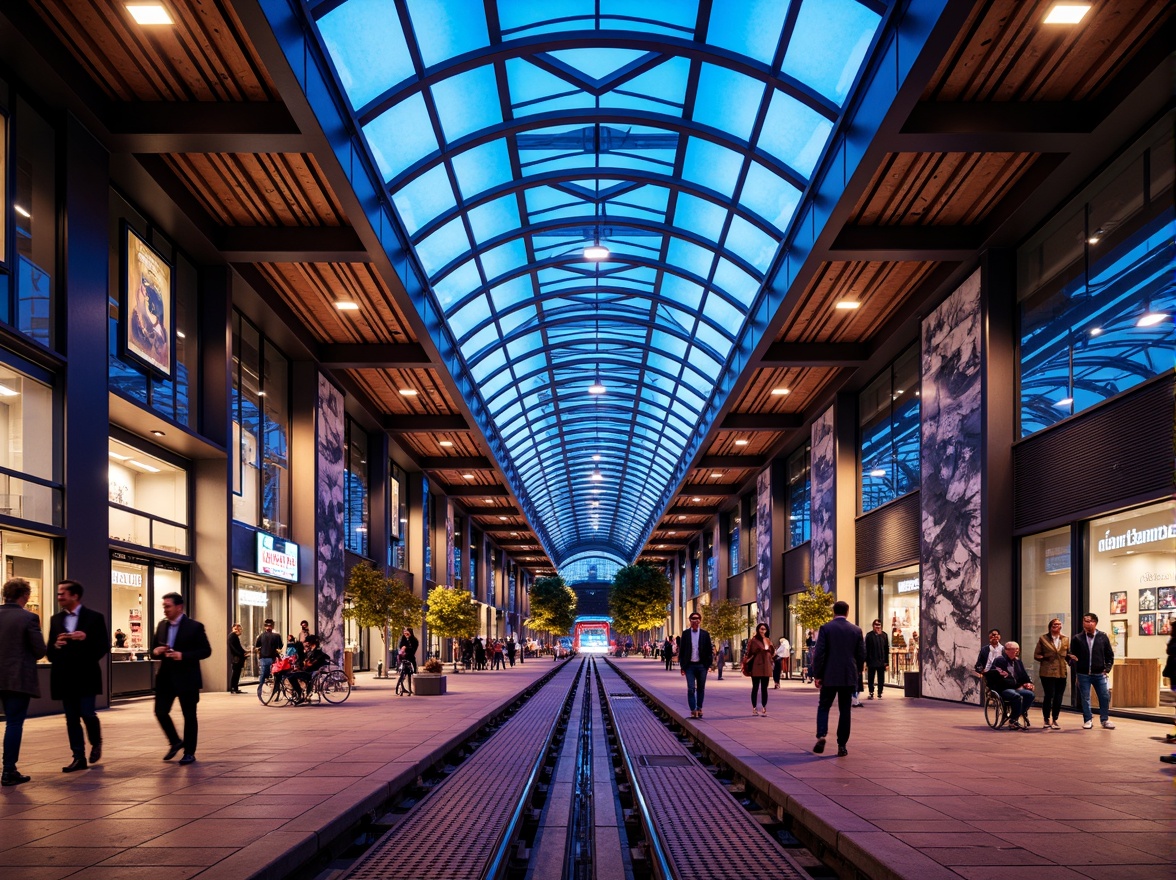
928,791
270,786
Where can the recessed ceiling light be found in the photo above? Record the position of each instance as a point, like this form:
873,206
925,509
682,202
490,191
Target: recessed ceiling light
488,500
23,212
1067,13
346,305
5,391
671,533
596,252
848,305
779,392
261,394
504,518
741,442
467,476
180,334
149,13
146,467
445,443
408,392
157,433
716,476
118,457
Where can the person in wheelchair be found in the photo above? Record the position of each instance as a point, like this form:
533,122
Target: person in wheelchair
1009,678
315,660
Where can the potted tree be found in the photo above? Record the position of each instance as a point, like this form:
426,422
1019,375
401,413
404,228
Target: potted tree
723,620
380,602
553,606
450,613
812,609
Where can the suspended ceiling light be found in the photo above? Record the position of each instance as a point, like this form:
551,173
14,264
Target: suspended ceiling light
23,212
596,252
1065,401
597,387
1095,331
1096,236
1067,13
878,472
596,476
1150,318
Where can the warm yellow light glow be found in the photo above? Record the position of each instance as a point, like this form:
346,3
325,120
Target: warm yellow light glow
779,392
149,13
409,392
347,306
1067,13
848,305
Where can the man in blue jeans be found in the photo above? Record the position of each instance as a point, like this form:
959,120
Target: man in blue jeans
269,648
695,656
1092,657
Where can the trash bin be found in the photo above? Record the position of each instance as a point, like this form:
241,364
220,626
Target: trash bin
349,666
911,684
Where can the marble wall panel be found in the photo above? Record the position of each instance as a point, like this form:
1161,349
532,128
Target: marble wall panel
763,550
950,496
330,572
824,503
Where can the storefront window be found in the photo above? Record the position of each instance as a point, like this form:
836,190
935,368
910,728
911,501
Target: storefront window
1095,289
1045,591
148,500
28,488
893,598
31,558
256,600
1132,576
888,412
36,220
137,588
261,431
799,497
355,489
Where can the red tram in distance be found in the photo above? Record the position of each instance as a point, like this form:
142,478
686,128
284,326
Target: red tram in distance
593,635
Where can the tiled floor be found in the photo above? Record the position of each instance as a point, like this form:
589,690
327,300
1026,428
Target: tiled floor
929,791
266,783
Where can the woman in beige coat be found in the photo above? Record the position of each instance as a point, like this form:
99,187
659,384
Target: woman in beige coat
1050,655
757,663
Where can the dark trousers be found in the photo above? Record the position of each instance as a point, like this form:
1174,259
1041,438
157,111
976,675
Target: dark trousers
16,709
844,697
777,669
1051,703
235,680
695,684
669,658
760,683
878,672
77,711
165,697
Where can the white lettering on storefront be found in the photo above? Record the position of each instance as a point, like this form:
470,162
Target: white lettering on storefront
1135,537
909,586
126,579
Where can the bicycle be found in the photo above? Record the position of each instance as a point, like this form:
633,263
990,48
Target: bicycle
329,683
404,683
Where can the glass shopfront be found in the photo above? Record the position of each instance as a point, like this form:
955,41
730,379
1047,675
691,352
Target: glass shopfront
254,600
148,500
893,598
31,557
137,588
1046,592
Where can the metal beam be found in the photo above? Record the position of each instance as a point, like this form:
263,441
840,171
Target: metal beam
1003,127
431,424
805,354
761,422
488,512
285,244
691,511
456,463
384,356
712,490
717,462
915,243
203,127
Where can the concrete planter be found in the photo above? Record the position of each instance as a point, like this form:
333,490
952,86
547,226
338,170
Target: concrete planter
426,684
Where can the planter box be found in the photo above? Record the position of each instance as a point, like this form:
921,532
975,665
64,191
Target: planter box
428,685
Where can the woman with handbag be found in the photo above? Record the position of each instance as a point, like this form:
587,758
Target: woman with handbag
757,663
1050,655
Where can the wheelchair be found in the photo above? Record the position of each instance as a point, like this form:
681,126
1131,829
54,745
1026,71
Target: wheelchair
997,710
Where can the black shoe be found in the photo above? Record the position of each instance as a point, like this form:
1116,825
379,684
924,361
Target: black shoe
95,753
188,759
75,764
1167,759
820,746
842,751
173,751
13,777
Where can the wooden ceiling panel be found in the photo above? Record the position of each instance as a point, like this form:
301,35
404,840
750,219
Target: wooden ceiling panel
204,56
427,445
880,287
311,290
383,389
1005,51
260,189
939,189
742,442
803,384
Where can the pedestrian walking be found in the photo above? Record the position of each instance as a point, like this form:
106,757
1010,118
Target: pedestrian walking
236,660
410,643
838,655
781,661
21,646
512,648
721,654
758,662
180,645
1092,656
667,652
1050,655
77,643
695,654
877,658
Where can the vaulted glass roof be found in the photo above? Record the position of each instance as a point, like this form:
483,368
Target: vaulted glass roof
513,136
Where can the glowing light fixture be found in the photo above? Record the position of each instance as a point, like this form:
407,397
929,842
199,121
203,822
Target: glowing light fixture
1150,319
467,476
596,476
5,391
848,305
741,442
596,253
1067,13
695,499
346,305
149,13
878,472
779,392
146,467
597,387
1095,331
445,443
1065,401
408,392
23,212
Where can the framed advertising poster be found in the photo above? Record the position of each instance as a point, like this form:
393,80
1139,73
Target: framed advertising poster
394,492
146,315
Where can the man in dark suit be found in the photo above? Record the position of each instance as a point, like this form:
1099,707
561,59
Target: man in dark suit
78,641
695,655
236,659
21,646
180,645
837,667
1015,685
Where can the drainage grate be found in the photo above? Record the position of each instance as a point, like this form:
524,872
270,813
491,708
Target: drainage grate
628,694
665,761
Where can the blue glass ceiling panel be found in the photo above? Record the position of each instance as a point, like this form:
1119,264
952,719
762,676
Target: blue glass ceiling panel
687,165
